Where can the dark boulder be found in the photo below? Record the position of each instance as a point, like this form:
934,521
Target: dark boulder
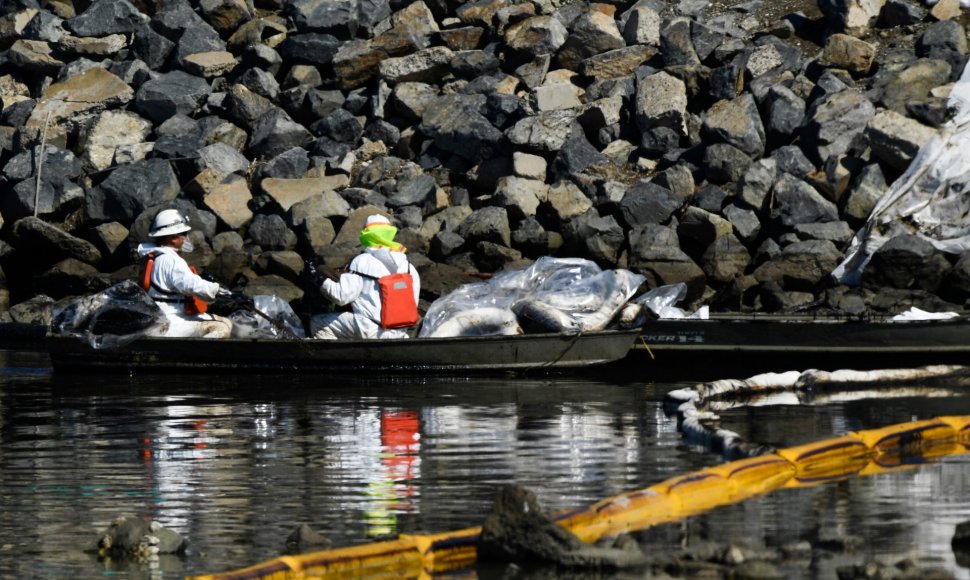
48,243
648,203
655,252
309,48
456,124
594,237
270,233
169,94
55,198
906,262
130,189
489,224
275,132
106,17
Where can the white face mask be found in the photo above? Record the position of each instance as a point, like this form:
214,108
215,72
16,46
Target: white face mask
187,246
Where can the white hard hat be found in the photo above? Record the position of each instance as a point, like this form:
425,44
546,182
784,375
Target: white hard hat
377,219
169,222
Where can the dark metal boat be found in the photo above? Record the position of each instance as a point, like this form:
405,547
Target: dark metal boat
762,342
520,353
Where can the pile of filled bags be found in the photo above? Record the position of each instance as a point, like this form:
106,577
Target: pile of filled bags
568,295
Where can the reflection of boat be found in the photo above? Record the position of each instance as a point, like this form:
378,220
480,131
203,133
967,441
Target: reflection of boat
520,353
768,342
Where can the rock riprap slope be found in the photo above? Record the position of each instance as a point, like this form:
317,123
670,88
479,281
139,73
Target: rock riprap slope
735,147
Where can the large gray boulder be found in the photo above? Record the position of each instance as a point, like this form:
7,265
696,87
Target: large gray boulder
130,189
800,266
275,132
539,35
676,45
834,122
906,262
595,237
545,132
106,17
54,199
172,93
648,203
343,18
655,252
70,277
947,41
591,34
738,123
661,101
488,224
48,243
784,114
796,202
456,125
725,260
270,233
756,182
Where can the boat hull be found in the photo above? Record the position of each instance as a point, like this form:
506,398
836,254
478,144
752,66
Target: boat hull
769,343
521,353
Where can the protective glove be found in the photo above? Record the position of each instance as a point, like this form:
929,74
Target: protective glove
312,275
237,298
242,299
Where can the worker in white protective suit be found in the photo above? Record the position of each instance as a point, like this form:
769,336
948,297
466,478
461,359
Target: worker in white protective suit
175,286
381,285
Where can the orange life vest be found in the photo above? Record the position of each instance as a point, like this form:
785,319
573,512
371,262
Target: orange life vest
190,304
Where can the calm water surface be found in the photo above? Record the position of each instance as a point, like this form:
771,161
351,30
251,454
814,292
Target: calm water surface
235,462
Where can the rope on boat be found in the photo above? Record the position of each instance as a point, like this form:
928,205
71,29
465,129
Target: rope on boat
569,347
647,347
861,453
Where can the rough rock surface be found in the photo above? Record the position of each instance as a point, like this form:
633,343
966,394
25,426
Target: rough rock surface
724,144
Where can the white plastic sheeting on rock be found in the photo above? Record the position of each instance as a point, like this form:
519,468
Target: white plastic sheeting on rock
929,200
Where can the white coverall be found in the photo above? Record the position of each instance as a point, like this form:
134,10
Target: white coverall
364,321
172,279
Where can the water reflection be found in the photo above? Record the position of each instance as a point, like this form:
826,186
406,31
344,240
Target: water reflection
235,462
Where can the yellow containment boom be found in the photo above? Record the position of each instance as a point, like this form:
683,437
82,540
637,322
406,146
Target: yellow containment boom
857,454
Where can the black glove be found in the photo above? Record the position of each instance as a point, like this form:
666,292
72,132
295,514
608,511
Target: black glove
312,275
207,277
237,298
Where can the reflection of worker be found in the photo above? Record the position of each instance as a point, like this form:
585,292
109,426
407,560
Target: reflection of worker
361,286
401,441
173,284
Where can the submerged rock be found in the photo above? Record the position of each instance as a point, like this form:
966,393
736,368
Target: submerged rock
518,530
142,540
304,539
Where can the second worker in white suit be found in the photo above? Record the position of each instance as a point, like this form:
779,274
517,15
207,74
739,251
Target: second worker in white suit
360,287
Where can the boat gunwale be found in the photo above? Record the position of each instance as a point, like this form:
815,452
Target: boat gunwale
161,353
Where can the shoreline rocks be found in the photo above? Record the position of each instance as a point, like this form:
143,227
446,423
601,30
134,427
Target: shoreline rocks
733,148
